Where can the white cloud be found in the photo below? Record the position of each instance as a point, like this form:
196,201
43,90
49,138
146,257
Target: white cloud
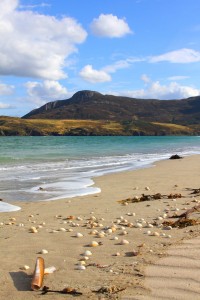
109,26
94,76
164,92
41,92
145,78
178,56
35,45
5,106
6,89
175,78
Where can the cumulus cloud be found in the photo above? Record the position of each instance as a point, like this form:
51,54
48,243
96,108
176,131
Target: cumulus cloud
94,76
6,89
5,106
178,56
145,78
41,92
164,92
109,26
36,45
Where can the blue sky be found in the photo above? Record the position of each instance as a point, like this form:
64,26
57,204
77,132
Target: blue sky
50,49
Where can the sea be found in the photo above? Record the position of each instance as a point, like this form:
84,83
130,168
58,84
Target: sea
51,168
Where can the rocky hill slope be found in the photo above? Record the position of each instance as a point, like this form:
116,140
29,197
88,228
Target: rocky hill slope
90,105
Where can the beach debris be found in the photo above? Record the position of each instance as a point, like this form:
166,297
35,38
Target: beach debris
49,270
87,253
109,290
80,267
38,275
174,196
25,267
94,244
33,229
79,235
194,191
176,156
124,242
67,290
144,197
43,251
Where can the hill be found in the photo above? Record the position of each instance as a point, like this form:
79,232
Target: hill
42,127
90,105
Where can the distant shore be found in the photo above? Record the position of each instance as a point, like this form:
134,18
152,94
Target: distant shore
115,269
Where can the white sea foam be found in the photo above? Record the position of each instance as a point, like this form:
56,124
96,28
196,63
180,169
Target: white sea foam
6,207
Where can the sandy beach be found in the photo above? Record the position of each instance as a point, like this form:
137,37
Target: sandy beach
156,262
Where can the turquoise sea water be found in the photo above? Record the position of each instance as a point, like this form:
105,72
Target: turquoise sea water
50,168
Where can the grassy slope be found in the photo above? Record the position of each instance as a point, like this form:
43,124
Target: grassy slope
25,127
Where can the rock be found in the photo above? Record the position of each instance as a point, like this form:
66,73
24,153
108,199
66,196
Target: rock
176,156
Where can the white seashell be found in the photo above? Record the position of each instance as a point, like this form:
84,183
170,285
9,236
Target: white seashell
25,267
138,225
168,228
33,230
94,244
49,270
147,188
156,233
1,223
164,216
149,225
117,254
160,218
100,225
87,253
79,219
12,219
79,235
162,234
115,238
149,232
168,236
124,242
70,229
62,229
101,235
39,226
44,251
118,221
85,257
124,232
80,267
54,231
82,263
109,231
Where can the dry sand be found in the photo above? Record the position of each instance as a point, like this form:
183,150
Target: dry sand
167,266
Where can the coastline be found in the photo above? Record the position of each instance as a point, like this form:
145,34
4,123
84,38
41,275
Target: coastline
20,247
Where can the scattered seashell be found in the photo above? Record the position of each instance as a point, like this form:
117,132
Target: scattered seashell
135,188
79,235
149,225
124,232
147,188
33,230
124,242
87,253
156,233
70,230
25,267
117,254
168,236
44,251
31,216
1,223
162,234
109,231
138,225
80,267
168,228
12,219
94,244
101,235
115,238
85,257
49,270
82,263
62,229
160,218
148,232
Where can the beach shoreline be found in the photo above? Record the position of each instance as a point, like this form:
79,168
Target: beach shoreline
112,263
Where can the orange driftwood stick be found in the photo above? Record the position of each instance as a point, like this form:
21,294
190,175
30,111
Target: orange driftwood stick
38,274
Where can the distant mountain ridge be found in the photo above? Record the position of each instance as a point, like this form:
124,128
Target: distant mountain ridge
91,105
